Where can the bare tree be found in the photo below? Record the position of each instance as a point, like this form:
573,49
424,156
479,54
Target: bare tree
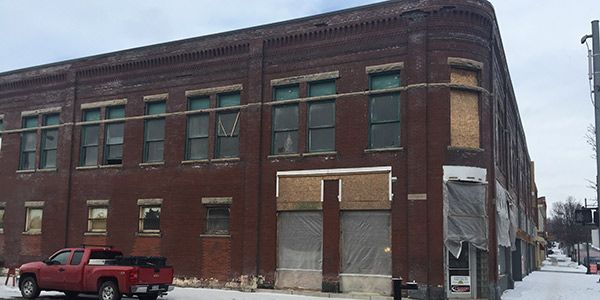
562,225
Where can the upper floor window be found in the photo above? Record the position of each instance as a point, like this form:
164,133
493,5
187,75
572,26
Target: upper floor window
197,129
28,143
89,138
114,132
1,129
285,120
464,109
321,117
49,142
384,111
154,132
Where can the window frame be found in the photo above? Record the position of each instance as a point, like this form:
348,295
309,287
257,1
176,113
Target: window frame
28,130
235,133
275,131
207,229
84,133
44,150
91,220
310,128
147,141
189,139
373,123
28,228
141,219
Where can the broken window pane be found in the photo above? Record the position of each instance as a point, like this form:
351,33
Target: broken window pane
285,129
228,128
150,218
217,220
285,142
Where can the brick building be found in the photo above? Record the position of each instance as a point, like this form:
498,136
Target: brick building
330,153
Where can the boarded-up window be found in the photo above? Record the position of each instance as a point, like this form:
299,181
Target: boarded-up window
464,110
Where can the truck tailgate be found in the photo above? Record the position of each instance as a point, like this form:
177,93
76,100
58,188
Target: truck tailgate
149,275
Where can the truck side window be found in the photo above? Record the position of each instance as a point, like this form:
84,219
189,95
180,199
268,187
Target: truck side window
76,259
61,258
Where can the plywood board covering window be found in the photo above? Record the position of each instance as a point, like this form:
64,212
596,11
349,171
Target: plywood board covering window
464,77
464,119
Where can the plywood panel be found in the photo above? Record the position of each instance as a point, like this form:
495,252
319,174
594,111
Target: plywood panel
299,189
365,187
464,119
464,77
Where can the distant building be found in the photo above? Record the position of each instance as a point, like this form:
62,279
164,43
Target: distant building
331,153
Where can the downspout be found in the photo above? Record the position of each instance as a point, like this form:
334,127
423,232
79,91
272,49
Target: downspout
71,158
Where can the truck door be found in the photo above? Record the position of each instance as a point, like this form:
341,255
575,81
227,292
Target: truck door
73,272
52,275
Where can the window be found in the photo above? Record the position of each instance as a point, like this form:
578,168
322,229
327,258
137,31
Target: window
321,118
113,151
464,110
197,130
1,129
230,99
285,120
366,242
217,220
384,112
49,142
61,258
154,132
89,139
228,130
285,129
149,219
28,144
97,217
33,222
1,219
76,259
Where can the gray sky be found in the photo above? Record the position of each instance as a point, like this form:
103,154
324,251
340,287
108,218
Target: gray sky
547,63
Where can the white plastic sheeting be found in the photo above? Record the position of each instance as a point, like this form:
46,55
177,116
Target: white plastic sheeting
502,218
300,240
366,242
465,215
514,224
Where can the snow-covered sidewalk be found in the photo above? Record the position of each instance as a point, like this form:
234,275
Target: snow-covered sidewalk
559,279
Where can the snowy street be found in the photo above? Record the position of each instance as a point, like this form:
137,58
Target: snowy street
558,279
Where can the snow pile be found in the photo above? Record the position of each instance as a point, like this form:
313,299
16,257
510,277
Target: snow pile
559,262
555,285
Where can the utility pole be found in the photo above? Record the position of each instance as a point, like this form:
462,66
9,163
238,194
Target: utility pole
596,90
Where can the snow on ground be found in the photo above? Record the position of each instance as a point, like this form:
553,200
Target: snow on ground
559,279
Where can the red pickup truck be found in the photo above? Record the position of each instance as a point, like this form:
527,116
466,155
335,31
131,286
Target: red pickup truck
97,270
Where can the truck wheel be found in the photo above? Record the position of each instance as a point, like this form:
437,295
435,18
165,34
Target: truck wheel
148,297
109,291
29,288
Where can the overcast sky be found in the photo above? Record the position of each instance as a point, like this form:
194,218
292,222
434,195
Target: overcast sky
547,63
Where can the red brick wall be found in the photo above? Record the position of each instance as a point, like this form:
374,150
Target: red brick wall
216,258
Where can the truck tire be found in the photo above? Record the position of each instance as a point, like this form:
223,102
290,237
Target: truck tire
109,291
29,288
148,297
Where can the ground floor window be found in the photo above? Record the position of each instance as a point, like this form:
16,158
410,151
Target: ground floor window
300,240
217,220
33,223
149,218
366,242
